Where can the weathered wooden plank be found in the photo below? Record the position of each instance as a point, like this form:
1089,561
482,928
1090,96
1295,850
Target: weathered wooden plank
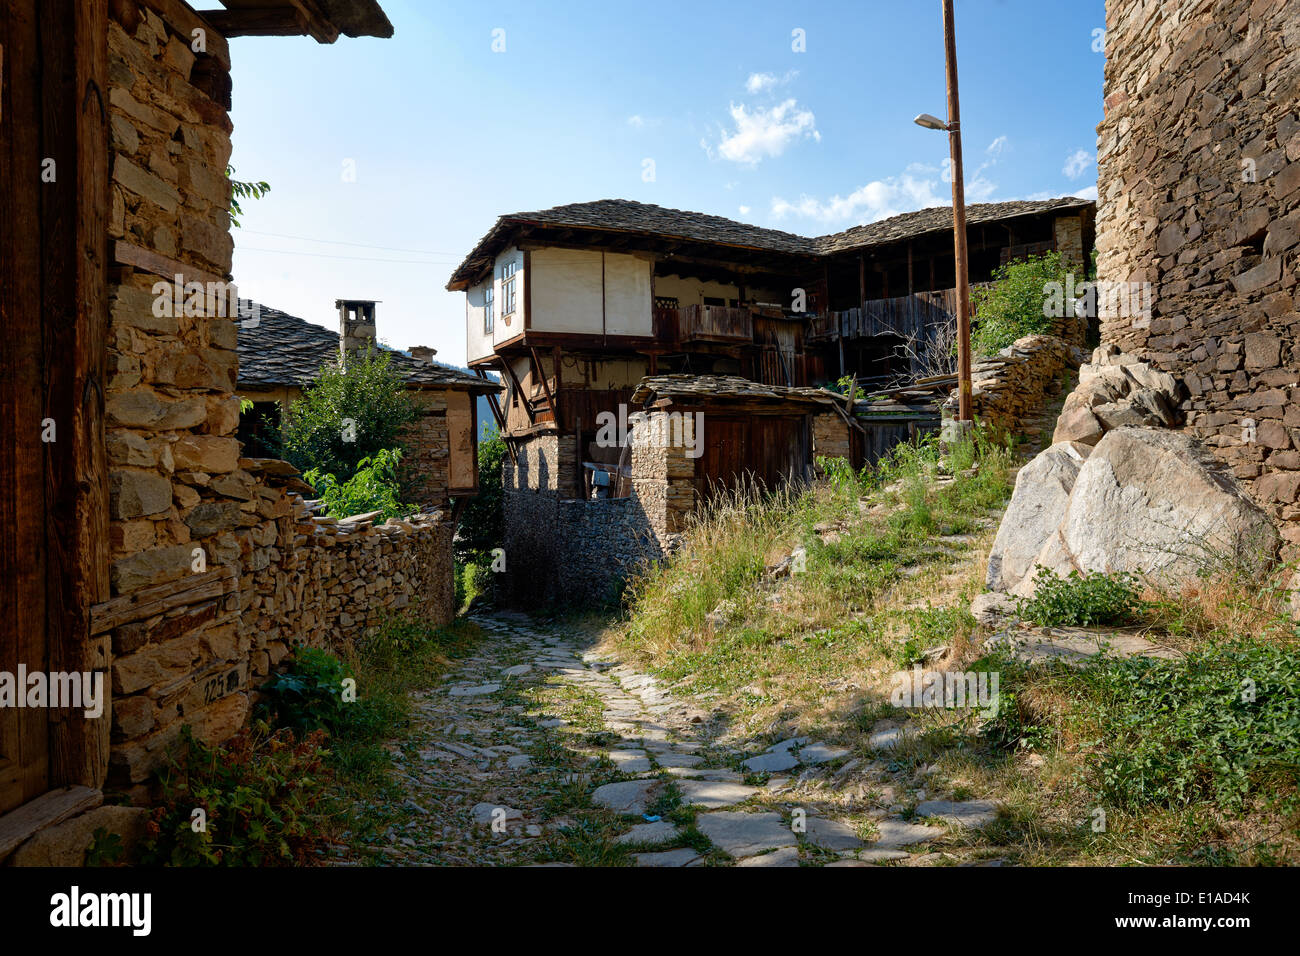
128,254
161,598
74,312
24,752
47,810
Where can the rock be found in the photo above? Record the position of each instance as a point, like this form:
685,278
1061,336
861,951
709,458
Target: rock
65,844
670,759
1156,502
1076,645
1077,424
630,761
484,814
820,753
517,671
661,831
886,738
629,796
832,834
476,691
771,762
895,833
519,762
785,856
968,813
1037,507
134,494
992,609
744,834
711,794
682,857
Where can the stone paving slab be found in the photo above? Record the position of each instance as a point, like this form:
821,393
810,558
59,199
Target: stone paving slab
744,834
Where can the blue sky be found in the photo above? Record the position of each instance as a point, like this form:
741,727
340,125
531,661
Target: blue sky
389,159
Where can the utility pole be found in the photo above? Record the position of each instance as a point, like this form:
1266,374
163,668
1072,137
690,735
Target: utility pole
958,219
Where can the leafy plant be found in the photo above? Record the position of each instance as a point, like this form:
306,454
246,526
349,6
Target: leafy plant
259,795
105,848
1081,600
348,415
374,487
1013,305
1220,725
240,189
308,695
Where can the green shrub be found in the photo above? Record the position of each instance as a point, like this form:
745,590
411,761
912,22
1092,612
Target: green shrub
260,793
1014,305
308,695
369,394
1081,600
1222,725
374,487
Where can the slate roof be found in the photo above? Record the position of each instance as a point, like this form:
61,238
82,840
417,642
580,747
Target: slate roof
713,387
284,350
626,215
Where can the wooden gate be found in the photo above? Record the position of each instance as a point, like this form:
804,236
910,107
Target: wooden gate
772,449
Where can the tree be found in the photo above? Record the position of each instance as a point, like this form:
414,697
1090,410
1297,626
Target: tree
1013,305
349,413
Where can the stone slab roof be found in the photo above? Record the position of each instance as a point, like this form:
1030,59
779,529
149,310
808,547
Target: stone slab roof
726,388
284,350
625,215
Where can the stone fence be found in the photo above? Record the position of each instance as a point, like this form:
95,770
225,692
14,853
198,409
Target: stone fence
1019,380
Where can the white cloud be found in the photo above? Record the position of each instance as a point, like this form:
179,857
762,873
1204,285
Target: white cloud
876,200
1077,163
758,82
762,132
995,148
1089,193
744,210
636,121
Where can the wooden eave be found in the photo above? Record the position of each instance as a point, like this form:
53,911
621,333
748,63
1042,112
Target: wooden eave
322,20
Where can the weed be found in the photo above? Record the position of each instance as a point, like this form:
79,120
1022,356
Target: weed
1081,600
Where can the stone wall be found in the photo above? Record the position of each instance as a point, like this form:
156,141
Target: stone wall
423,473
247,572
1199,169
1019,381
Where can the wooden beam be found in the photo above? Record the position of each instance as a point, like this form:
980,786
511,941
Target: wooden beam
260,22
161,598
546,385
555,361
518,389
47,810
74,313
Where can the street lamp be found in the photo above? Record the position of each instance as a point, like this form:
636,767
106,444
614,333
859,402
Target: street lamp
953,128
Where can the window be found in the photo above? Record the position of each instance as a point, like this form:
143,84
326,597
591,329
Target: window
487,310
713,301
508,287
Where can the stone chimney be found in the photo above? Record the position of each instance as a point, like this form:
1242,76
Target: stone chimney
356,325
423,354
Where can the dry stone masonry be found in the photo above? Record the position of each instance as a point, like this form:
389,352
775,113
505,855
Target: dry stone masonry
1199,164
218,565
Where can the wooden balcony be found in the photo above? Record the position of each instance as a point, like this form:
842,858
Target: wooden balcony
904,315
704,323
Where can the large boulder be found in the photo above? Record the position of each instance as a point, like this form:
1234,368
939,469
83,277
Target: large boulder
1144,500
1157,503
1037,506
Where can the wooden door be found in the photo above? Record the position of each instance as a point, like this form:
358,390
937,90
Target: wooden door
53,329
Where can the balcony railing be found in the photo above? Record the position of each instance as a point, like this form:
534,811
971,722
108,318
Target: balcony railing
704,323
905,315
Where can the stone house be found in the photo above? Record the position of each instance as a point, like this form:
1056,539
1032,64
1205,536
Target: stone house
140,552
280,353
574,306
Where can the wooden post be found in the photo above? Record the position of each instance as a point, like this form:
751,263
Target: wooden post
862,280
74,316
958,218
